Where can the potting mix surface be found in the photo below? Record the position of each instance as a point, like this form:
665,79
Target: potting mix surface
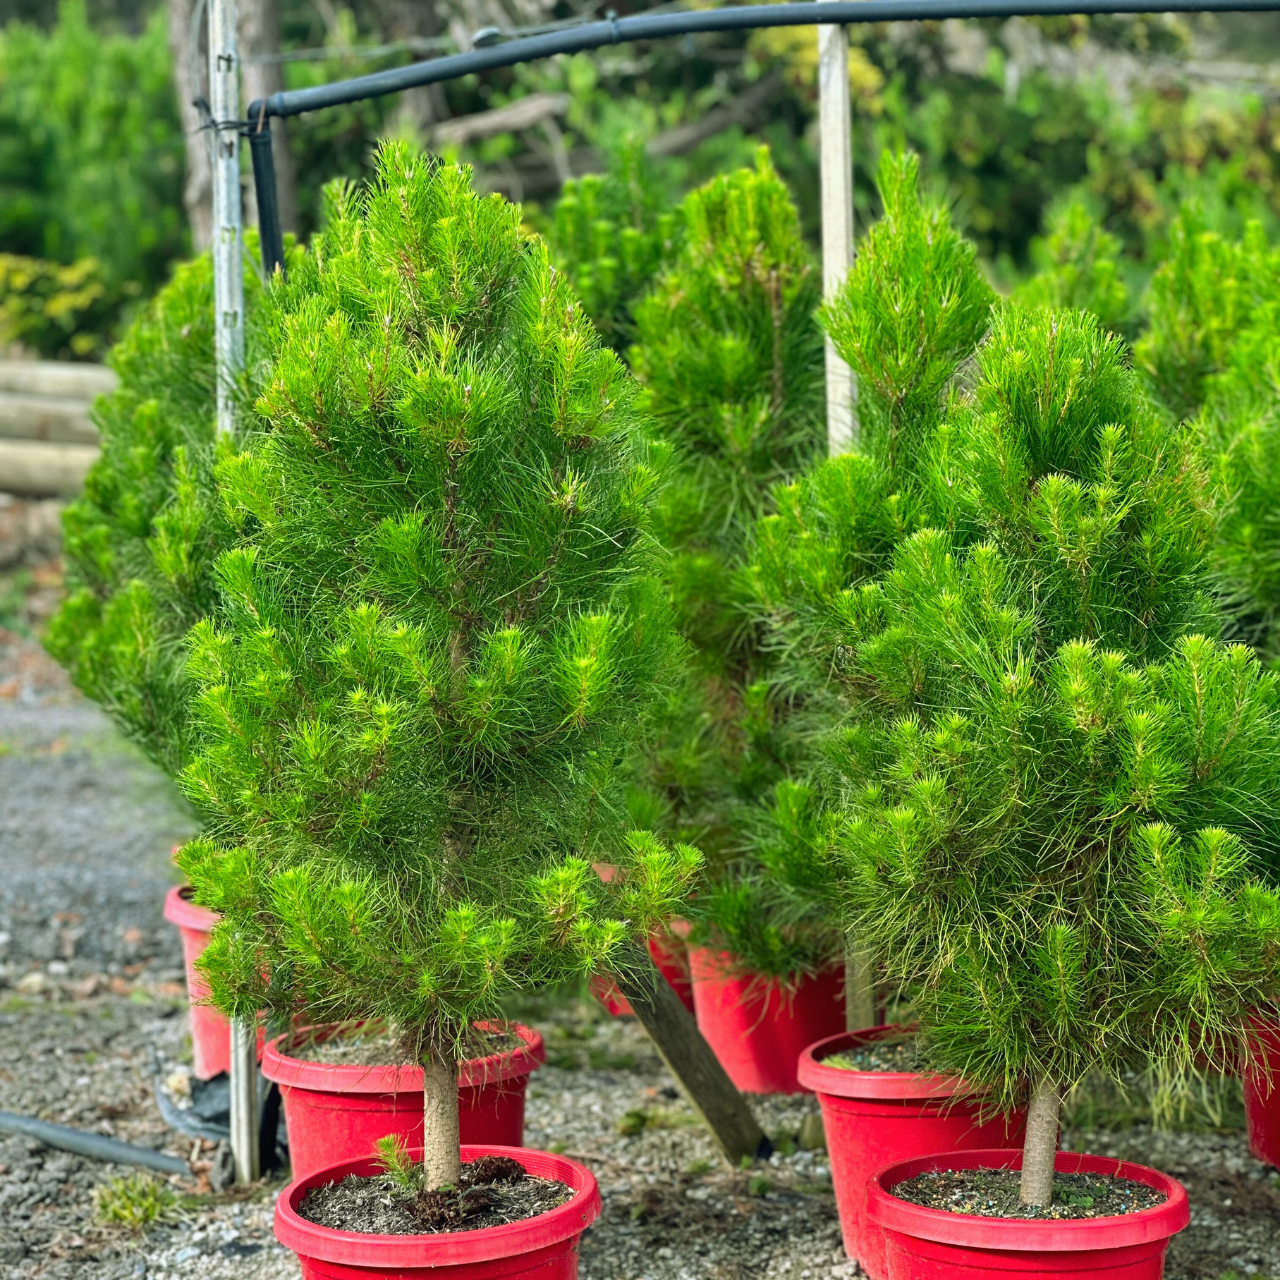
493,1191
895,1054
994,1193
381,1047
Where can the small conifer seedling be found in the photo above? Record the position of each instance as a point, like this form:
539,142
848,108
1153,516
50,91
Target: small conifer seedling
1059,789
434,643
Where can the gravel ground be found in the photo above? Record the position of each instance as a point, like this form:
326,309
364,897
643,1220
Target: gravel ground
91,997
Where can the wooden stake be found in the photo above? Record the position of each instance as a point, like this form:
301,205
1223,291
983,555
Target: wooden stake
690,1059
836,131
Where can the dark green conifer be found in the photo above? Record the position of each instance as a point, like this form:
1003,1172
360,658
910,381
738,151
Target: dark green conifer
434,643
141,539
730,356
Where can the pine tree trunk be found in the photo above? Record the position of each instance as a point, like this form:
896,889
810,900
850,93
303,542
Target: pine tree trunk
1041,1145
859,988
441,1163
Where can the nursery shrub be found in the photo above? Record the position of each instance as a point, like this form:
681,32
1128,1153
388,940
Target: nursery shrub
730,356
434,643
141,540
1058,790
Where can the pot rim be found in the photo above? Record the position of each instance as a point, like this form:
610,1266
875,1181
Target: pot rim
180,910
1031,1235
486,1244
839,1082
333,1077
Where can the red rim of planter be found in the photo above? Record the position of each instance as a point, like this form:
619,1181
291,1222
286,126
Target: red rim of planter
442,1248
334,1077
840,1082
966,1229
180,910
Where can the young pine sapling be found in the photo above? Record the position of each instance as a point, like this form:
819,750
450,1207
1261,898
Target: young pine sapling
434,643
1059,790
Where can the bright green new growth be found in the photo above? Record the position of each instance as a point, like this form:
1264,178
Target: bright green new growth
912,311
436,642
1077,268
731,360
1058,795
140,542
611,233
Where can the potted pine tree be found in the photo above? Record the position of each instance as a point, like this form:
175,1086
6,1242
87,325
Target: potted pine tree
139,545
1056,789
730,357
912,312
431,649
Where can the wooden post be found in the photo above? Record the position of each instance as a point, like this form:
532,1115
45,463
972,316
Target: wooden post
690,1059
836,132
228,303
836,125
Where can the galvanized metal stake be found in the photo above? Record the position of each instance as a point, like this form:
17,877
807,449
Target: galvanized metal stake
836,133
228,303
228,280
244,1099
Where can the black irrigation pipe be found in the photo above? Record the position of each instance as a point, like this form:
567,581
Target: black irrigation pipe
92,1145
615,30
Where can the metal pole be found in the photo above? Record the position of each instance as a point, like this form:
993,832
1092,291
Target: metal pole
244,1099
836,132
228,303
228,280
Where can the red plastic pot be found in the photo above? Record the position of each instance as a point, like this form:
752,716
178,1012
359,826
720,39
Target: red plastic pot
210,1031
541,1248
1262,1093
930,1244
877,1118
757,1026
336,1112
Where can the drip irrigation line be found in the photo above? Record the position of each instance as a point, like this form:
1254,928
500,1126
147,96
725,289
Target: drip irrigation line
93,1145
656,26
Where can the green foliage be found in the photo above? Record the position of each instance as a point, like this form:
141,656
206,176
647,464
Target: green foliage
1211,353
1058,795
135,1200
437,637
1077,268
91,165
911,313
731,360
397,1165
612,232
59,312
141,540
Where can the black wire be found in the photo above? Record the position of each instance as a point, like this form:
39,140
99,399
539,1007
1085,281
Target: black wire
641,26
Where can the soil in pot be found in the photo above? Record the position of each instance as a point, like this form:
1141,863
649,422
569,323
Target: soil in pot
758,1026
995,1193
338,1103
541,1247
494,1190
923,1242
877,1109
